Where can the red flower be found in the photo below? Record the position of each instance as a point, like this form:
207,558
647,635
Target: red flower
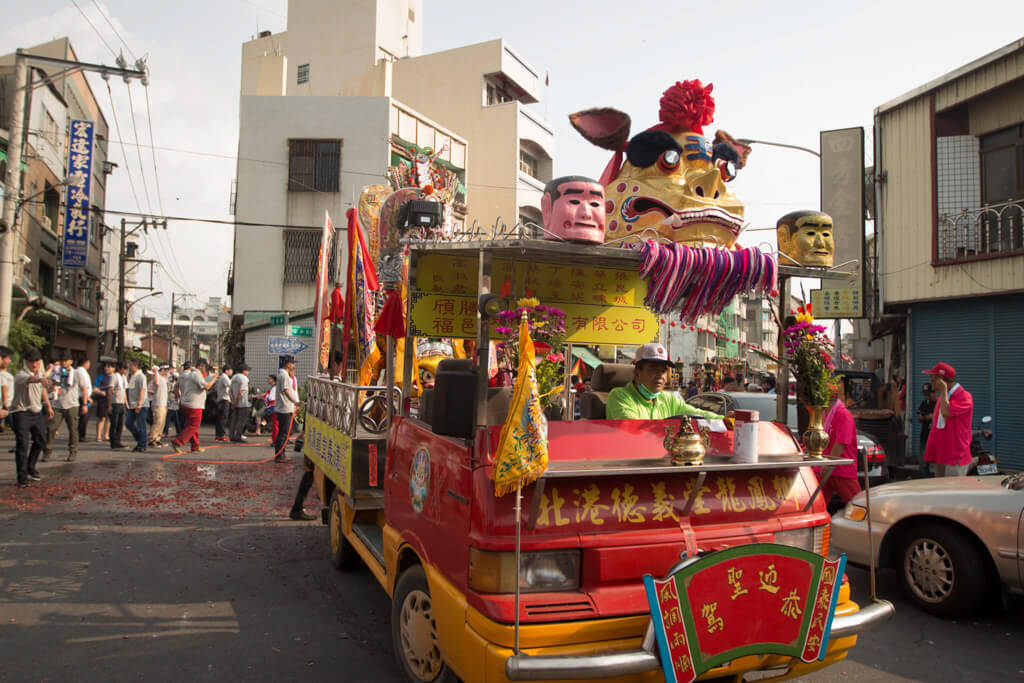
688,105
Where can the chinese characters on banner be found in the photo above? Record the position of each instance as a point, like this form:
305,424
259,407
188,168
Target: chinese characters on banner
601,305
441,315
754,599
75,246
331,450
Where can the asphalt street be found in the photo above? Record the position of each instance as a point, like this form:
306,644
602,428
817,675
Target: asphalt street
125,566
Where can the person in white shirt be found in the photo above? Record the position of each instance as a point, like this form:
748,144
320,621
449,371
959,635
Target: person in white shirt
159,406
117,388
66,408
6,386
223,388
84,398
138,405
192,387
240,403
286,401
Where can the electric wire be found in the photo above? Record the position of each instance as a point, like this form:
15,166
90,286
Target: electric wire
124,152
138,147
112,28
152,149
88,21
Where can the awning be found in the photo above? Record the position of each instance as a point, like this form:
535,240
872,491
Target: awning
587,356
886,326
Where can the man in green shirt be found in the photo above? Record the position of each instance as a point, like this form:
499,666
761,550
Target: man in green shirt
644,398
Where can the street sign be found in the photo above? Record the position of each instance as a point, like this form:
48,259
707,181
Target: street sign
285,346
75,250
836,303
299,331
278,319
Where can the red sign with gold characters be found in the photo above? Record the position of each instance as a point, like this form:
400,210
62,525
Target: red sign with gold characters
754,599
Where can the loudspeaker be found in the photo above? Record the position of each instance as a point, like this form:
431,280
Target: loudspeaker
453,406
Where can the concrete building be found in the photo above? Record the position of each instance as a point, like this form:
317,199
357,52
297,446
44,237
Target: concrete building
949,159
330,104
64,303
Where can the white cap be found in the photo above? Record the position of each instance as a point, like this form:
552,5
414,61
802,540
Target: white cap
651,351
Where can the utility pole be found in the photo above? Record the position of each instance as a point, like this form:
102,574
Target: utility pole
11,194
121,314
16,141
172,360
123,258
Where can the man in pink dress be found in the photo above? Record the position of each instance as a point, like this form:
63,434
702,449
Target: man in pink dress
842,443
949,442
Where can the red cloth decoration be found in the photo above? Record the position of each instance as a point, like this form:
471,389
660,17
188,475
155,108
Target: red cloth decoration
337,309
391,321
687,105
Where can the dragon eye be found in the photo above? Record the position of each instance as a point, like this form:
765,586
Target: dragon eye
699,191
669,160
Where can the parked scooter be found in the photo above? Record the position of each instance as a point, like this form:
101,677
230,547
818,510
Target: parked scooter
983,461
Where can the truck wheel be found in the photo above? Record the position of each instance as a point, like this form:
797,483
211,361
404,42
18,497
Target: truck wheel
414,631
942,570
343,555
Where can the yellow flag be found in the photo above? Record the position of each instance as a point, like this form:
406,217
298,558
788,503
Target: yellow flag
522,455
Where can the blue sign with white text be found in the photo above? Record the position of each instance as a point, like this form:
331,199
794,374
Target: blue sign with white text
286,346
76,201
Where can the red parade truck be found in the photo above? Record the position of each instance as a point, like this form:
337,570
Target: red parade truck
408,491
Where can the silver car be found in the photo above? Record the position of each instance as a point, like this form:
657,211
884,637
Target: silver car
950,539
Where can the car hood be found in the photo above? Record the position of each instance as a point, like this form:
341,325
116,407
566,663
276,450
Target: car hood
938,485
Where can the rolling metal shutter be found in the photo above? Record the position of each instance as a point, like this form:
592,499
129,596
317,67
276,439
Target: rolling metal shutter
1008,429
982,339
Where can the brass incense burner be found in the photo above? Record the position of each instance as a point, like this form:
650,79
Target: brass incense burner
687,446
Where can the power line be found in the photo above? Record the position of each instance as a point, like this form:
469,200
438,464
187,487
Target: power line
138,147
100,35
124,153
152,149
111,25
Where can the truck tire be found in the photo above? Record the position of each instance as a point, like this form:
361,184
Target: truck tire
414,631
343,555
942,570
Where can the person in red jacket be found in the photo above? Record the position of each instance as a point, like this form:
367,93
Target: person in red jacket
949,442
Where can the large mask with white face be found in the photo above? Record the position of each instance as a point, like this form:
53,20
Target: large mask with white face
673,180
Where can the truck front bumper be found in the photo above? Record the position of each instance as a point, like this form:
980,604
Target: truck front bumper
524,667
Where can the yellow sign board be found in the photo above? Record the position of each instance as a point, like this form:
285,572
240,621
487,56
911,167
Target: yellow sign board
837,303
548,282
331,450
443,315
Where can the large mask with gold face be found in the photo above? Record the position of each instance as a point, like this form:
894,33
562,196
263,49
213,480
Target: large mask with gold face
673,180
806,237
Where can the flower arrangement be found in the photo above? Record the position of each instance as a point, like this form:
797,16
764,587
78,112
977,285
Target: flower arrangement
547,329
809,352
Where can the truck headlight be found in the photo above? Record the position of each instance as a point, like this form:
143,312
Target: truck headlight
541,571
814,539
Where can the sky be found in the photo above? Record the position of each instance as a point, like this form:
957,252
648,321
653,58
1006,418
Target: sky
782,71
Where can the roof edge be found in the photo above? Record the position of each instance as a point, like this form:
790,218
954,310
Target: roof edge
951,76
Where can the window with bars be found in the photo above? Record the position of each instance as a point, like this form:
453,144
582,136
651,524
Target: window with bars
303,73
314,165
301,251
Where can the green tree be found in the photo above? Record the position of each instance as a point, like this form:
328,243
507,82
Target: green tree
24,336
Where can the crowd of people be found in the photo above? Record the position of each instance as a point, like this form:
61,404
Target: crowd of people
146,401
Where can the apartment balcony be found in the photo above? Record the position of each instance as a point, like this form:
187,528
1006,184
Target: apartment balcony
990,231
511,77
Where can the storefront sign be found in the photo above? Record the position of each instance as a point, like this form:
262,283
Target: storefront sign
754,599
837,303
443,315
75,246
331,450
548,282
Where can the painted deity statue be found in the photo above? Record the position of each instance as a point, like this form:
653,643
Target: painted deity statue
673,180
806,238
573,209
